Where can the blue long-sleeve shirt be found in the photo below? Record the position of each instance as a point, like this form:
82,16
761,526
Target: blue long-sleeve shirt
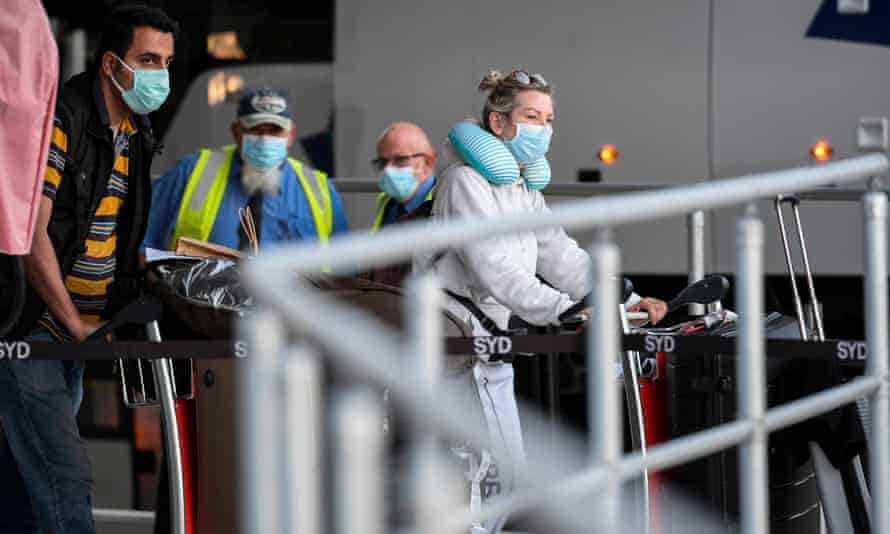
286,215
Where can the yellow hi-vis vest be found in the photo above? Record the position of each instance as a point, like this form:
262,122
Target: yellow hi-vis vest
383,201
207,184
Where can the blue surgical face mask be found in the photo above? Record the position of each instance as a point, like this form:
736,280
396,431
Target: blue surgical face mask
263,151
398,182
150,89
530,143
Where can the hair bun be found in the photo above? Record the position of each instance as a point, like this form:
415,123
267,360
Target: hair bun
490,81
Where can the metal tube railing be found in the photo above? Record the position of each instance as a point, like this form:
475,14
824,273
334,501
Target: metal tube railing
371,250
425,344
876,317
603,408
123,517
751,375
819,403
386,369
583,190
681,450
304,419
260,481
358,463
312,307
695,223
308,313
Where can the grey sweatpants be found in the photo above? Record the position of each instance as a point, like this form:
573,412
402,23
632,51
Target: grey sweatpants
490,479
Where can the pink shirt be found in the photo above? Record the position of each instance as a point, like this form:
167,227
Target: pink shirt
29,75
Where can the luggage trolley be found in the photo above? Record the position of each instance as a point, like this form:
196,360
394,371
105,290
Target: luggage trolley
710,290
700,393
153,383
641,412
206,293
804,497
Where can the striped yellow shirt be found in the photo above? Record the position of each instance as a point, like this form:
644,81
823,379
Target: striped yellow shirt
93,270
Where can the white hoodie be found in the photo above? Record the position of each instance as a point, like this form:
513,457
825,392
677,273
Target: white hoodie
498,274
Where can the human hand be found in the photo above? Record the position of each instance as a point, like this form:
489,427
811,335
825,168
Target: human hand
82,330
576,321
656,309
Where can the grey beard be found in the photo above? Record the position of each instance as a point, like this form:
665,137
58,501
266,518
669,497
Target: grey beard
265,180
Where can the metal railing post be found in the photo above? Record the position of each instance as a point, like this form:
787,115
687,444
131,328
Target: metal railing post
750,370
602,385
424,349
695,234
875,205
258,415
359,500
423,320
303,421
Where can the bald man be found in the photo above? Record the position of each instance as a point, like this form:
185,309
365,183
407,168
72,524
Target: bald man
406,160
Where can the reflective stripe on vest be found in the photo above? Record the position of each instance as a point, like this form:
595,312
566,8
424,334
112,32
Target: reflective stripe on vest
323,213
203,195
383,201
207,184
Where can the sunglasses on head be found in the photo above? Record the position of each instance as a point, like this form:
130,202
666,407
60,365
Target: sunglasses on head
525,78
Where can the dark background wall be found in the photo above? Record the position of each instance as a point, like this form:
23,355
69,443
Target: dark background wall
268,31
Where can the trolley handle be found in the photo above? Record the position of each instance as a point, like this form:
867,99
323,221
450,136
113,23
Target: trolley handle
143,310
573,315
637,316
710,289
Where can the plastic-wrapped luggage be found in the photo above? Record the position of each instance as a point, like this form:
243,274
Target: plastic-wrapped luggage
206,294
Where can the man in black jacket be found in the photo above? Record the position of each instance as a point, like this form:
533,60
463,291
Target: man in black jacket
83,265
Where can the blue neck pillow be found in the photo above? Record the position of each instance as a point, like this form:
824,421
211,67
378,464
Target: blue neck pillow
490,158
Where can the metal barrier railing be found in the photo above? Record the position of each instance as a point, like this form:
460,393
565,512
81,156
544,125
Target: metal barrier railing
563,189
695,220
119,516
282,492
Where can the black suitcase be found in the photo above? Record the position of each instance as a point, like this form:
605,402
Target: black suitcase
702,395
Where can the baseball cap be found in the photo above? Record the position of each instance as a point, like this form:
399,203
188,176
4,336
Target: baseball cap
264,106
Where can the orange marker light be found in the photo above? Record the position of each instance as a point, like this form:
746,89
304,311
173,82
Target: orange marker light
821,151
607,154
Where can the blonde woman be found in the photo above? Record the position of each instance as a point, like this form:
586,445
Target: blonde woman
497,167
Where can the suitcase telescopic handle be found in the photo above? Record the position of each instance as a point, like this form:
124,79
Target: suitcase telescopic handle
794,202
